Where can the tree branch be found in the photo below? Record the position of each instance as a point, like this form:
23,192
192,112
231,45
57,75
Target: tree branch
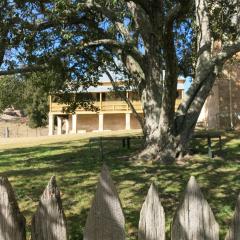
204,65
111,15
178,11
73,20
141,19
228,51
70,20
207,69
169,96
23,70
125,47
92,5
3,44
142,3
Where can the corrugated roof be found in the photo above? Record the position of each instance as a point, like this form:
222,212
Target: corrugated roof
180,86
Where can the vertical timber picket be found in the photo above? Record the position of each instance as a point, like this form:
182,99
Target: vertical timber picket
105,219
234,230
194,219
152,217
49,222
12,222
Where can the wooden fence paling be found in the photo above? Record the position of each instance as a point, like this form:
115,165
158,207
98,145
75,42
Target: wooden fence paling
12,222
234,230
194,219
105,219
152,217
49,223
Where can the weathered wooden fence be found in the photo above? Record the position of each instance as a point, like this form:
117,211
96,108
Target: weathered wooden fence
193,220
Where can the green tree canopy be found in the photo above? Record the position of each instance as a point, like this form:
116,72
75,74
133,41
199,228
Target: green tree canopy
154,41
30,93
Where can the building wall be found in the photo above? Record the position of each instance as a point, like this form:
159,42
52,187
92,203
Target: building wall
222,107
87,122
210,111
135,123
70,121
229,96
90,122
114,121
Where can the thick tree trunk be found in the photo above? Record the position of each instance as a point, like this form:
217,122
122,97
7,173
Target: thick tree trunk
165,146
168,136
167,133
161,149
160,139
158,100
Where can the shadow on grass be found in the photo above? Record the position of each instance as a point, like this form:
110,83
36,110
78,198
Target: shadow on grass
77,166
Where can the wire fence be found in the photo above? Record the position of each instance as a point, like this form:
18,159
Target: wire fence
228,120
17,130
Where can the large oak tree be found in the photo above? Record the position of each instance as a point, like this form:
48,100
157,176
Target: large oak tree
155,41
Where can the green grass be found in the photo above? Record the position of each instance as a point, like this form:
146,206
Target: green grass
76,166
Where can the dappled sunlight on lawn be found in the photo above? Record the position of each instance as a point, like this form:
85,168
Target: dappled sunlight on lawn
77,167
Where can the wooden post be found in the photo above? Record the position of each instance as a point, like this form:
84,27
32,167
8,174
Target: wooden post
101,148
220,143
105,219
123,142
127,96
194,219
100,101
50,103
49,223
128,142
6,132
67,125
234,230
50,124
101,122
74,123
128,121
210,153
152,217
12,222
59,125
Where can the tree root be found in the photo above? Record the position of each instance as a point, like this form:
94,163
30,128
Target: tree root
155,154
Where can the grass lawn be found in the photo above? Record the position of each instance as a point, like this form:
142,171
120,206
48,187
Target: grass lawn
29,164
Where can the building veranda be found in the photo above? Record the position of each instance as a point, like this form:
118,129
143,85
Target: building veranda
113,112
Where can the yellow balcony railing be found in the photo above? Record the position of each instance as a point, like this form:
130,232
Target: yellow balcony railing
108,106
104,106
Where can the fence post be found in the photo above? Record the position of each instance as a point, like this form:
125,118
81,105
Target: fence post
12,222
194,218
6,132
152,217
234,230
49,222
105,219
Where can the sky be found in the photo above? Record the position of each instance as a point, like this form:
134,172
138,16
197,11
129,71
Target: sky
187,84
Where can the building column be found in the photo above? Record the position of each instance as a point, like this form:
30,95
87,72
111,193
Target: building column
59,125
74,123
50,124
128,121
100,122
67,125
